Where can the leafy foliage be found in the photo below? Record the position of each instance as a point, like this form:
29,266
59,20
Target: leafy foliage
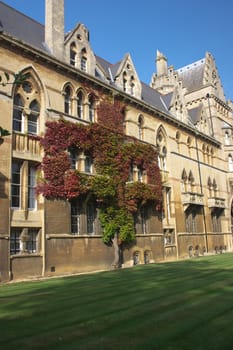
4,132
114,154
18,78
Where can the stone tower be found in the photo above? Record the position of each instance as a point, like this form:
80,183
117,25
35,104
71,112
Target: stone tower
54,27
161,64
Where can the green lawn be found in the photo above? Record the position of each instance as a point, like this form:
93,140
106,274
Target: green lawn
181,305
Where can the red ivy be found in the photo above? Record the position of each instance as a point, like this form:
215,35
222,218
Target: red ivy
113,153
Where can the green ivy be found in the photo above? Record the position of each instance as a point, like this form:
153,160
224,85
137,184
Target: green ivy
114,154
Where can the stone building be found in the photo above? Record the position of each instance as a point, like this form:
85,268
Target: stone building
183,113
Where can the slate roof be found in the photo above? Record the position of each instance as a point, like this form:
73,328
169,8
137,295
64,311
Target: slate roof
153,98
21,26
195,113
109,68
192,75
168,99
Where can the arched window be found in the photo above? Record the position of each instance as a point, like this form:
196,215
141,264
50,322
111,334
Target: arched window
26,108
80,100
91,105
18,113
140,127
67,100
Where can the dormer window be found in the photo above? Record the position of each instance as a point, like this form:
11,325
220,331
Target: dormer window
132,86
125,82
83,63
73,54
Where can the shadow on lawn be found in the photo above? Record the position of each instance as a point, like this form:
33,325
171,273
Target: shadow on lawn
168,303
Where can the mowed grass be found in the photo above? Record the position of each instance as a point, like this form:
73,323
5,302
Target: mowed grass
180,305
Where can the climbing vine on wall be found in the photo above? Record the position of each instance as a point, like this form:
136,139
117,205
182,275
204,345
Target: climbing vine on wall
114,155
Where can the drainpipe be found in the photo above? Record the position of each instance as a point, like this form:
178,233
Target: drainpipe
201,187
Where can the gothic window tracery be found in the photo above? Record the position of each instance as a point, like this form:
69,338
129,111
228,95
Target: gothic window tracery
26,108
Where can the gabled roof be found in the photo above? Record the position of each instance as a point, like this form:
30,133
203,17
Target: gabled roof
109,68
22,27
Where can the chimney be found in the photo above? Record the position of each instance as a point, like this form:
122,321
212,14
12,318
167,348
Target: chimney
54,27
161,64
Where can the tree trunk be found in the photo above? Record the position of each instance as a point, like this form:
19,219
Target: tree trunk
116,262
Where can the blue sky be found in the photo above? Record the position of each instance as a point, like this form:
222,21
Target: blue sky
183,30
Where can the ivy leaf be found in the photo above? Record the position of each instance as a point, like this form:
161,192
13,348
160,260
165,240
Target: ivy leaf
4,132
7,76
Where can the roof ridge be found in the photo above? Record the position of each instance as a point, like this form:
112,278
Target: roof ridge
191,65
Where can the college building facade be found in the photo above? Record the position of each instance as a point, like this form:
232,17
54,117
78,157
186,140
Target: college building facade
182,115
